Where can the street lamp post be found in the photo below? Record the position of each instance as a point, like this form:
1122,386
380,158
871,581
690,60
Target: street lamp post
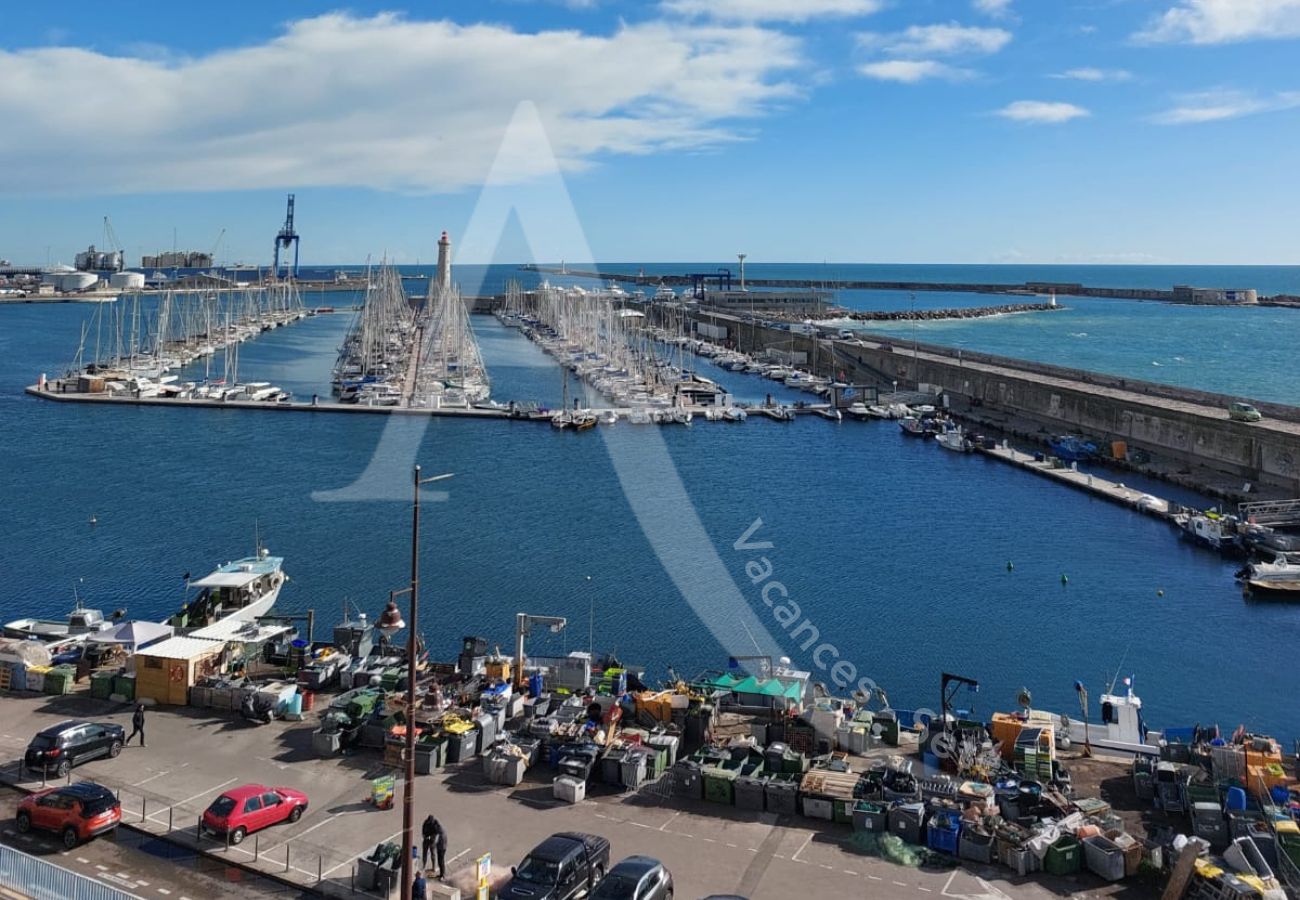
408,792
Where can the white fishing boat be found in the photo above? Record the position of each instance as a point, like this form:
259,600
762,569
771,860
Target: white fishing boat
830,412
859,410
241,590
953,437
734,414
607,417
78,625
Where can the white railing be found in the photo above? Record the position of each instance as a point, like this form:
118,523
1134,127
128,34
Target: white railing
42,880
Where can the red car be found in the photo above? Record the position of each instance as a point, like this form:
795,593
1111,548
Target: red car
76,812
250,808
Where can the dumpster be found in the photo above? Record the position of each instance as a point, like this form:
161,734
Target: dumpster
1064,857
751,792
101,685
815,807
569,789
781,794
632,770
870,815
719,785
688,780
906,820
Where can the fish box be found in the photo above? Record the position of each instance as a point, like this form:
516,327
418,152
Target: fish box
568,789
977,846
815,807
943,831
632,770
1103,858
669,744
720,785
1064,857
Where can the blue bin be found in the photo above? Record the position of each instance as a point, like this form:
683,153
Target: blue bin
945,831
1236,798
535,685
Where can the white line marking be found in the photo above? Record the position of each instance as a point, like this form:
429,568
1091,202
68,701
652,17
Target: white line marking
732,846
459,855
927,890
151,778
102,868
900,884
80,859
163,891
849,872
124,875
664,826
801,849
874,877
142,883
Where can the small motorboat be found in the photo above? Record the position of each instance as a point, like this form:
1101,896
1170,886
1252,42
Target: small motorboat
912,426
859,410
734,414
831,413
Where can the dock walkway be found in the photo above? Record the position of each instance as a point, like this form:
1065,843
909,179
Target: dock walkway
1094,484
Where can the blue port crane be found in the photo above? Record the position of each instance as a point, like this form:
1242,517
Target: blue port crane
286,237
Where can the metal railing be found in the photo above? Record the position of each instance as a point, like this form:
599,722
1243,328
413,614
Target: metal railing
43,880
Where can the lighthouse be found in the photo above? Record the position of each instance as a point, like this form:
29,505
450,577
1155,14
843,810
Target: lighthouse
444,262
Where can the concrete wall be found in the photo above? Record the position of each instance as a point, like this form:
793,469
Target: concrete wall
1144,417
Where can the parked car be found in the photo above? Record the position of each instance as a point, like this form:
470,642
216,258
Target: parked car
243,810
636,878
60,747
1243,412
76,812
562,867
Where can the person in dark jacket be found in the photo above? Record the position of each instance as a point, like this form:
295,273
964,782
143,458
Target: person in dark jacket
137,725
418,888
440,842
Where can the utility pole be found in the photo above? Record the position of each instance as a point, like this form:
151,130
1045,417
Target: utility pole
408,792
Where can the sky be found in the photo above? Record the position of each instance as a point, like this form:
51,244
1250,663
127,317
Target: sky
963,131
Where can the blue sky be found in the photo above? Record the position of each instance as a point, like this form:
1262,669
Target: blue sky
1104,131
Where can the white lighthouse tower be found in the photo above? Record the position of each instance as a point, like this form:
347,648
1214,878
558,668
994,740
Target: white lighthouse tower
444,262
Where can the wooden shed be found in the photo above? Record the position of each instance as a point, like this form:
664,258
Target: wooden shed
165,672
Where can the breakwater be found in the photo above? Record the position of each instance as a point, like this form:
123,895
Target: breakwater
1180,429
1026,288
928,315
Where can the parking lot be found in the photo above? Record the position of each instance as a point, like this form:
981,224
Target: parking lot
193,755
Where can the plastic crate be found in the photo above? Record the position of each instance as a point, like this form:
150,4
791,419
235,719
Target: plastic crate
719,785
781,794
1103,858
870,815
815,807
944,831
976,846
751,793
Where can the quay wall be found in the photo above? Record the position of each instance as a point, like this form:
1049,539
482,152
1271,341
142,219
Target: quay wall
1178,424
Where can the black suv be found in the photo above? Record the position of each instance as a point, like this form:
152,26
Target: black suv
60,747
562,867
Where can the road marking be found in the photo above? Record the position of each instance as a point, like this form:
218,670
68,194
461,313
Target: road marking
900,884
195,797
639,825
850,872
824,866
927,890
874,877
142,883
664,826
732,846
151,778
102,868
124,875
163,891
459,855
801,849
80,859
709,840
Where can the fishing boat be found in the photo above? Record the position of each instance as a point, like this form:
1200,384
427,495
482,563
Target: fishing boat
1210,529
953,437
830,412
1072,448
79,624
912,426
608,417
239,591
859,410
781,413
734,414
1277,580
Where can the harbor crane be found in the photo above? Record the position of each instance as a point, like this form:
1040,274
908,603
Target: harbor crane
524,628
284,239
111,241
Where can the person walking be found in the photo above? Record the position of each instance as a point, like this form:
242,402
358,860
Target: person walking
137,725
419,887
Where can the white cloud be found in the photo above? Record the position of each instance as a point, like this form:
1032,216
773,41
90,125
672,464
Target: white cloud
921,41
1215,106
378,102
772,10
1224,21
1088,73
995,8
910,71
1041,112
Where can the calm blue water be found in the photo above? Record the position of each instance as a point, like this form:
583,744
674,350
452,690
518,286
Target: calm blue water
893,548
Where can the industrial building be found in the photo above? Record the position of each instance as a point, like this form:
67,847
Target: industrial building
790,303
177,259
1215,296
92,260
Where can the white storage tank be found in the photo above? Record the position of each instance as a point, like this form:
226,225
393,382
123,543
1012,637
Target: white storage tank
70,282
126,281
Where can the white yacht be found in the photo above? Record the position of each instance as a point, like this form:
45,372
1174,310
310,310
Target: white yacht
241,591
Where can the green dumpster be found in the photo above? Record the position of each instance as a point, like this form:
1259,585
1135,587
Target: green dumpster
1064,857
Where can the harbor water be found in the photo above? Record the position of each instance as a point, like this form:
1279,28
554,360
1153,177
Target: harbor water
895,551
